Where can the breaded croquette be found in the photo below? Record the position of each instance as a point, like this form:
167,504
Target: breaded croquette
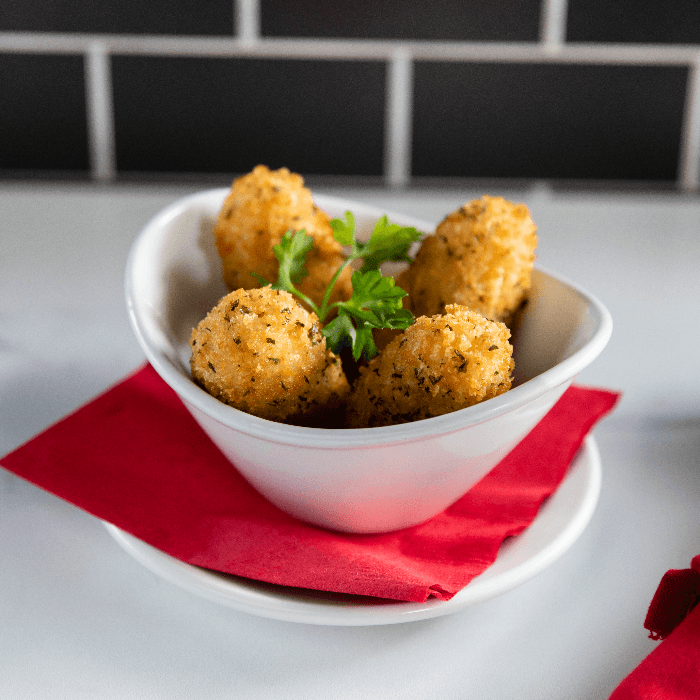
438,365
260,351
261,207
481,256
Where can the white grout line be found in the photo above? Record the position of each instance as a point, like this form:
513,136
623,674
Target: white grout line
348,49
247,16
689,159
553,24
100,113
398,120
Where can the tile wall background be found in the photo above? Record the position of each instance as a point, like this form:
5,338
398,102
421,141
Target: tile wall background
400,91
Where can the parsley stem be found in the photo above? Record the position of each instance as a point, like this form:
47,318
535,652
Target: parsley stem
304,298
325,307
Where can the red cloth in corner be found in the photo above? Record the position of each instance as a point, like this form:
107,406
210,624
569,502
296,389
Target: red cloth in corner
136,458
677,594
672,670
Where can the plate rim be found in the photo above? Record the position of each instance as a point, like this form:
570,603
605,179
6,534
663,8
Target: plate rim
324,608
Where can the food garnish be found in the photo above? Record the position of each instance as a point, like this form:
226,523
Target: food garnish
375,301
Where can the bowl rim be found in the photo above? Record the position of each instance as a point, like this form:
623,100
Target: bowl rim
348,438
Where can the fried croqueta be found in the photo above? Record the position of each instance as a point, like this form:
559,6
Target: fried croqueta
260,351
481,256
438,365
261,207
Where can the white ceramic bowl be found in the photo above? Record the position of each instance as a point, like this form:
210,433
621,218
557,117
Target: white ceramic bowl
363,480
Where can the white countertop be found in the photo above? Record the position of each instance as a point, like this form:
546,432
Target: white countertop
79,618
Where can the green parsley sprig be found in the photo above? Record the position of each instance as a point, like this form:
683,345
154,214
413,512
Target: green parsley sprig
375,301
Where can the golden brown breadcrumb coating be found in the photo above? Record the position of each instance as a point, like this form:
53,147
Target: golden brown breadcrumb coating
438,365
481,256
260,351
261,207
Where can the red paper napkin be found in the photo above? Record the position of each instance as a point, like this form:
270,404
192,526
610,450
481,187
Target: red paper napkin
135,458
672,670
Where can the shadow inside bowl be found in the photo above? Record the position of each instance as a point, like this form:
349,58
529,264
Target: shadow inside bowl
555,323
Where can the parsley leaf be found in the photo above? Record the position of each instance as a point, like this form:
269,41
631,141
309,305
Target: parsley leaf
344,230
387,242
292,253
341,332
375,303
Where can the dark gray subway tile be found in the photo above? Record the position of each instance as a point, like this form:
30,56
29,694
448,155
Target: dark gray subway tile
42,119
547,120
634,21
460,20
211,115
193,17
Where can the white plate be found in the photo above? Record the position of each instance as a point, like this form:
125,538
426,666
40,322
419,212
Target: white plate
557,526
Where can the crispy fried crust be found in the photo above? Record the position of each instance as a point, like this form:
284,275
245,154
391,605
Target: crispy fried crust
262,352
481,256
260,208
438,365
